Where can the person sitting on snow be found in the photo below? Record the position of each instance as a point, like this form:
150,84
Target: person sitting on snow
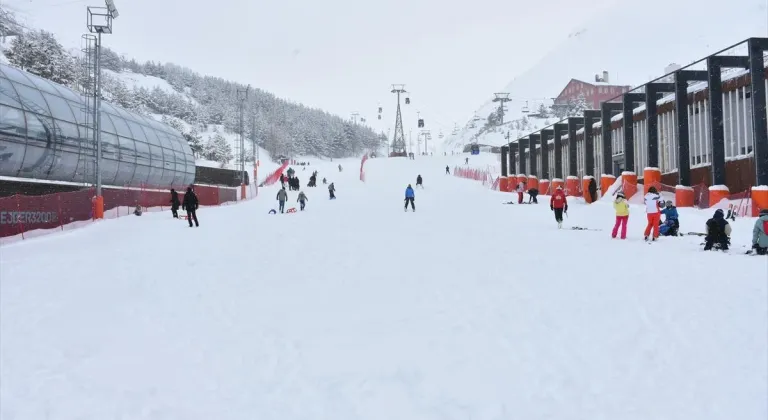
718,232
137,211
760,233
671,224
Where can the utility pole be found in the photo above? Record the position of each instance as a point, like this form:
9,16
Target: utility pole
242,96
427,136
398,142
501,98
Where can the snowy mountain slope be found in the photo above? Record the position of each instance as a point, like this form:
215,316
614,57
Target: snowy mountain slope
357,310
655,41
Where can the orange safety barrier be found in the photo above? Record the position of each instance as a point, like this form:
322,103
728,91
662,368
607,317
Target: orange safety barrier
557,183
759,199
572,186
650,176
606,181
585,189
543,186
533,182
98,207
684,196
504,184
718,193
629,183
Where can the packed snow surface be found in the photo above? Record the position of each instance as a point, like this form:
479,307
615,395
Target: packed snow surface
466,309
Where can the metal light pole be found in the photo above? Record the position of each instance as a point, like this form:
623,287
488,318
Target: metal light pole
99,21
242,96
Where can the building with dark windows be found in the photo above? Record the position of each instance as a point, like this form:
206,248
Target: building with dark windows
45,133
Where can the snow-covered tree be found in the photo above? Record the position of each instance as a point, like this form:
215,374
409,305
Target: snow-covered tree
39,53
218,149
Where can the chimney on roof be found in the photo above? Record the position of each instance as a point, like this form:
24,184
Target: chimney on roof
605,76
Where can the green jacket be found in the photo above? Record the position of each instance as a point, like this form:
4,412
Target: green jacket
759,235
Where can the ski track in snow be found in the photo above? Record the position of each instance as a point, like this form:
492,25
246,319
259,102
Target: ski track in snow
465,309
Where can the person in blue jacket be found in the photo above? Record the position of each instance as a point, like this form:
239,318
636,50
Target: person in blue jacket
671,224
409,197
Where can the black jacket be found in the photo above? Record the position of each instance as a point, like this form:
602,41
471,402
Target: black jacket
190,201
175,199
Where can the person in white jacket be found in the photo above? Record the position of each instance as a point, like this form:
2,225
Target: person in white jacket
652,212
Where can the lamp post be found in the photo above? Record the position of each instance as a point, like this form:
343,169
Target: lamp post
99,22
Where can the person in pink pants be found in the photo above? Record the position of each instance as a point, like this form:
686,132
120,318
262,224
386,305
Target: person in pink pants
622,215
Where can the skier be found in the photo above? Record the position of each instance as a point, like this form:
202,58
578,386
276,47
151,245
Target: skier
652,212
331,191
622,215
325,181
190,204
760,233
418,182
520,189
718,232
447,170
302,200
175,203
339,167
558,204
410,196
671,220
282,197
466,161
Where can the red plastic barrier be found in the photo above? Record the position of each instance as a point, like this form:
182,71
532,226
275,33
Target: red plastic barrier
20,214
482,175
274,176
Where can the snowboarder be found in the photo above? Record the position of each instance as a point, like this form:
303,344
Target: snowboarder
191,204
760,233
410,196
282,197
447,170
302,200
718,232
418,182
671,224
652,213
332,191
622,215
175,203
558,204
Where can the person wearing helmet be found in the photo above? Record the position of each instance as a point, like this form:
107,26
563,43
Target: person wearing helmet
760,233
409,198
622,215
671,224
652,212
558,204
718,232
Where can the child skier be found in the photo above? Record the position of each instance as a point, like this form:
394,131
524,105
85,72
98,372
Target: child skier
622,215
671,223
302,200
652,213
418,182
558,204
409,198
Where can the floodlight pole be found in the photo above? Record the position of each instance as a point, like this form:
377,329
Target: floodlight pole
107,14
241,167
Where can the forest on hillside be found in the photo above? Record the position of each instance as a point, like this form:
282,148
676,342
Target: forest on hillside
279,126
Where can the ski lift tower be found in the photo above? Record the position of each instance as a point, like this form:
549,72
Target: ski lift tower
501,98
99,22
398,141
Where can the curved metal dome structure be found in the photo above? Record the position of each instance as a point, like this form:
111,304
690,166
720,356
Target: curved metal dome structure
44,135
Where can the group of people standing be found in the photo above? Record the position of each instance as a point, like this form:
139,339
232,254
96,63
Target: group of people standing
190,204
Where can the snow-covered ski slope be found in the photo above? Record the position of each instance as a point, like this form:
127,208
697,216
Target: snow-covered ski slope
354,309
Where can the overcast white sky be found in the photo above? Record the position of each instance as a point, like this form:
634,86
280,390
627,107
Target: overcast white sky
339,55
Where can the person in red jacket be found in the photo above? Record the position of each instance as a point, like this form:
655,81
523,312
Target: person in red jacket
558,204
